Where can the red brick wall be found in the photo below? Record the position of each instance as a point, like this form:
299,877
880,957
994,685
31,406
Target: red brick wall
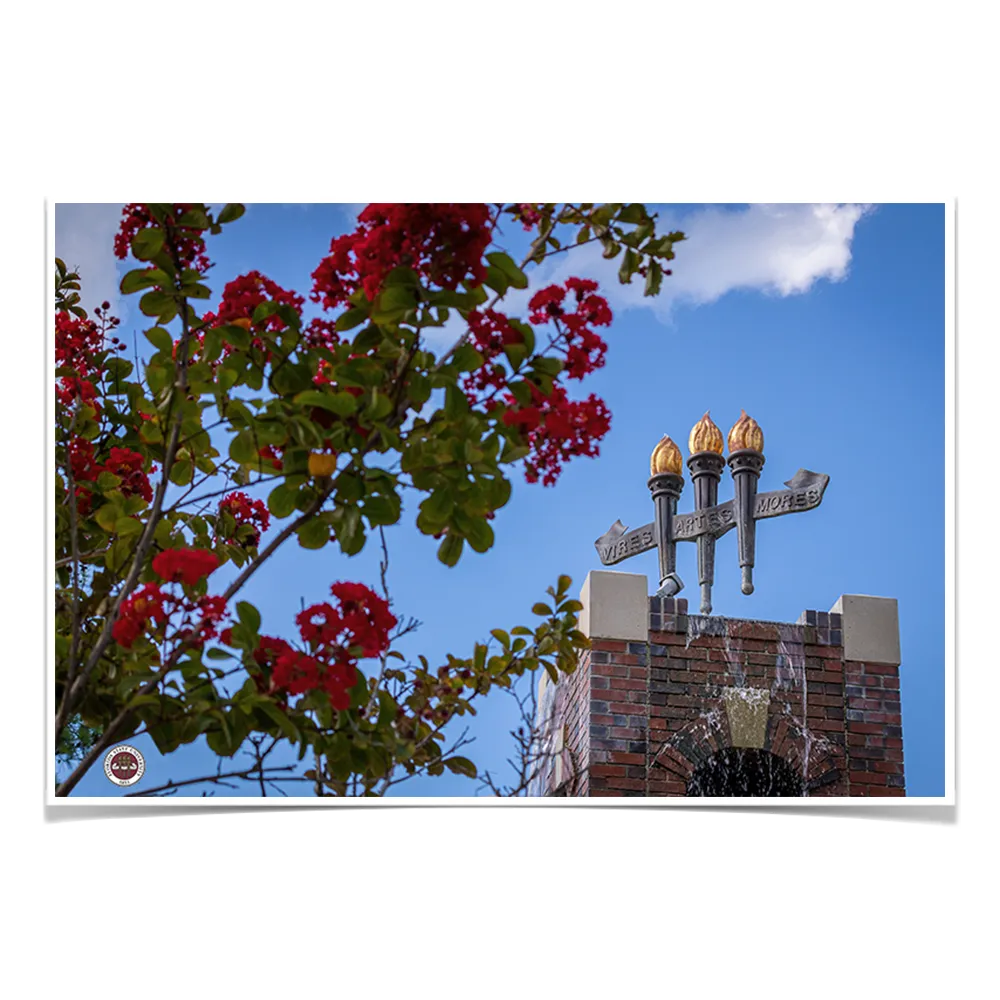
642,716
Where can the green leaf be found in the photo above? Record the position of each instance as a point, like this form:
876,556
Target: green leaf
632,213
281,501
182,472
160,339
147,243
158,304
141,278
437,507
237,336
212,347
350,530
466,358
230,213
450,549
480,535
382,508
541,609
350,319
276,715
118,369
461,765
497,280
510,270
107,516
456,404
248,615
654,278
629,265
314,534
243,448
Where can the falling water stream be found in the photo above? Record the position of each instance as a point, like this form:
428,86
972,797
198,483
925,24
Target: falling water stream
754,772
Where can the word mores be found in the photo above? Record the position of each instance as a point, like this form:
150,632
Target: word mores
613,548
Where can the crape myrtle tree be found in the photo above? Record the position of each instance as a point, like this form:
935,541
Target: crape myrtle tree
248,428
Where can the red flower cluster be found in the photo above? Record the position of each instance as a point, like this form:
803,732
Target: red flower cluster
186,565
320,333
240,298
189,244
243,510
444,244
558,429
272,453
142,606
127,465
242,295
584,350
70,388
149,604
491,332
529,215
78,341
337,636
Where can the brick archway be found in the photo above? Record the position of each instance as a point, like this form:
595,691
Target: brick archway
819,762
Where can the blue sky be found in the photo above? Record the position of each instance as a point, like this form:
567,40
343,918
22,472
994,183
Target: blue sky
826,323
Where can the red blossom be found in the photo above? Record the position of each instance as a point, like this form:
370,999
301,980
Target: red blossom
558,429
443,243
320,333
77,341
528,214
186,565
583,350
127,464
188,242
137,610
272,453
74,388
243,510
336,635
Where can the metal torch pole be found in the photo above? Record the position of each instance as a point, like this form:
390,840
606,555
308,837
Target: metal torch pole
746,465
706,471
666,490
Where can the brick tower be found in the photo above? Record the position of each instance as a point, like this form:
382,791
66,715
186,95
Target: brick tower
670,704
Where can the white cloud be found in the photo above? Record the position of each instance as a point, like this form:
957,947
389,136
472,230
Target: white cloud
85,240
775,249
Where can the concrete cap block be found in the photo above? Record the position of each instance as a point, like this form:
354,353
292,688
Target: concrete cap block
871,628
615,606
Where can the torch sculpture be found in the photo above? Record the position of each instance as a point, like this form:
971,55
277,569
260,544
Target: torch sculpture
710,519
706,464
746,459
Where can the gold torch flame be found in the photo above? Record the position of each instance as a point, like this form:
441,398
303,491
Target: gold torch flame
666,457
705,436
746,433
